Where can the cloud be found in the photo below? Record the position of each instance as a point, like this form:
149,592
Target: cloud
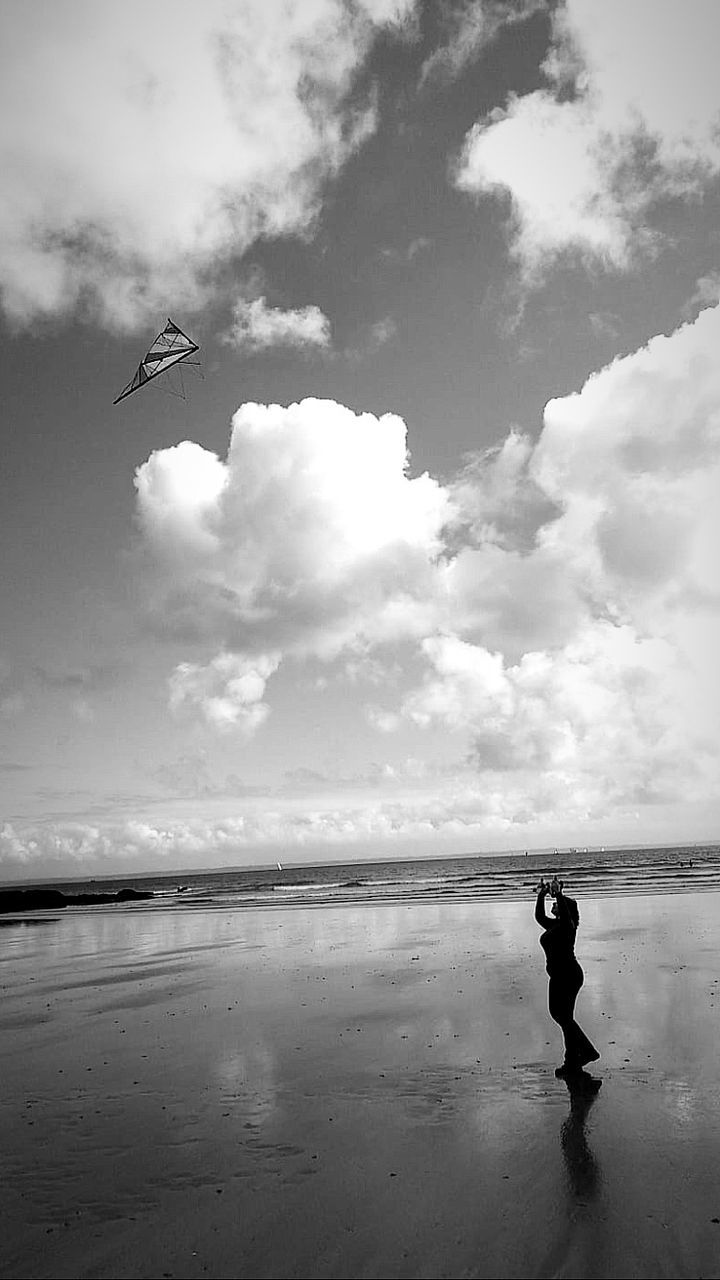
633,458
179,490
140,149
187,775
581,660
544,155
439,811
495,497
606,325
291,825
631,112
421,244
381,332
310,538
367,669
383,721
707,292
556,606
190,775
371,338
597,715
468,29
375,777
416,247
227,692
257,327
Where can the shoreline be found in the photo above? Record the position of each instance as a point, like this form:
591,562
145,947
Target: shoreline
469,876
343,1093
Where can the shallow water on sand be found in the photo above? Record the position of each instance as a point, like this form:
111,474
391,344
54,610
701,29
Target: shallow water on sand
358,1091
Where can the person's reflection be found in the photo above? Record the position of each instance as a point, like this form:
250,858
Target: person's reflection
582,1169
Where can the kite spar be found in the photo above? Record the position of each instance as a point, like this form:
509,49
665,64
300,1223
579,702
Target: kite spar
169,348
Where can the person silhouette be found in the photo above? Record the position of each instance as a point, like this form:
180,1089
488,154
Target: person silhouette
566,976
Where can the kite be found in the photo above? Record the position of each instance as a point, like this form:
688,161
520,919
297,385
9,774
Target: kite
169,348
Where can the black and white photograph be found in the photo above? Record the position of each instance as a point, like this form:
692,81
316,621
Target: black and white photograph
360,639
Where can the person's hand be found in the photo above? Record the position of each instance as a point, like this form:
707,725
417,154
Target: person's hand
556,887
543,887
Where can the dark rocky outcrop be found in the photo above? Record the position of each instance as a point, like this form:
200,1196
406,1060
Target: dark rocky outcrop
54,900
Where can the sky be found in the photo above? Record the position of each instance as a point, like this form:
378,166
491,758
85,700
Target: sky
421,558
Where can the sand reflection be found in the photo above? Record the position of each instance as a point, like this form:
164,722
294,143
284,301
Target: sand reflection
581,1166
247,1080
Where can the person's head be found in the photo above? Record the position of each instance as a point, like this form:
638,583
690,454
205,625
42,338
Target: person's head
571,907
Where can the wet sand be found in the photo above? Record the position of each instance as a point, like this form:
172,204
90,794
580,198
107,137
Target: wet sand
358,1092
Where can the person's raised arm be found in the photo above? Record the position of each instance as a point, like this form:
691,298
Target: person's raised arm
567,907
543,920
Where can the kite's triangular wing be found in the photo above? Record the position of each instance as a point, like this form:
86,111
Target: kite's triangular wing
169,348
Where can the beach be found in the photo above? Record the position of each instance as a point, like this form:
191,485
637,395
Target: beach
358,1092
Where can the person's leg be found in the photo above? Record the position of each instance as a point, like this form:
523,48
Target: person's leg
562,995
561,1003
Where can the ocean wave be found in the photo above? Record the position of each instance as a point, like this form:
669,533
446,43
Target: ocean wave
598,873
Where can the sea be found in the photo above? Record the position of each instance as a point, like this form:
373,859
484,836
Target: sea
471,878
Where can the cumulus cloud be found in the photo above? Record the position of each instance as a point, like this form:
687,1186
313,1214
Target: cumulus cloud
257,327
631,112
178,492
556,605
597,715
227,692
583,661
140,148
309,539
496,498
634,459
